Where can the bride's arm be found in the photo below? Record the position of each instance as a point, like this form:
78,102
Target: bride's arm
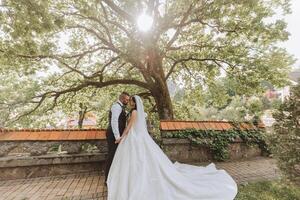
131,122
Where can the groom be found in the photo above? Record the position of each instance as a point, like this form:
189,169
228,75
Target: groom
117,124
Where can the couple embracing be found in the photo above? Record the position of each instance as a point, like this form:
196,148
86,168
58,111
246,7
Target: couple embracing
137,169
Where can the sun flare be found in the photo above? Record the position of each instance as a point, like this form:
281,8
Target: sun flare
144,22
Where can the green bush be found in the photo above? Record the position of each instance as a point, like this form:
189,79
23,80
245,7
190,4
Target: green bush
285,142
218,141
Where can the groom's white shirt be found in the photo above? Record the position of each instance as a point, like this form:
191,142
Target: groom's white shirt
116,110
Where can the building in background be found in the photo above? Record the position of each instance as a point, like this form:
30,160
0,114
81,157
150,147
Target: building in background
279,94
282,93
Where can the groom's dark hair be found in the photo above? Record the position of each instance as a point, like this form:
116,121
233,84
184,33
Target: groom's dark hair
125,94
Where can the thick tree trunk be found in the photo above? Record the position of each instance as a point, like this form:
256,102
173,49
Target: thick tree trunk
159,87
82,113
163,102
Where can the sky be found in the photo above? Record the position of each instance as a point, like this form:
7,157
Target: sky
293,20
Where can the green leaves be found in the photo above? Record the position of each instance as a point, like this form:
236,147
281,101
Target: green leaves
194,43
285,142
218,141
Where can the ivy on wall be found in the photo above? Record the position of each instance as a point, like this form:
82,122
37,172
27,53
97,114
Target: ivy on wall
218,141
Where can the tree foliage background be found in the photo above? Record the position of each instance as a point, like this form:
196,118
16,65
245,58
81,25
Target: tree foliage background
89,51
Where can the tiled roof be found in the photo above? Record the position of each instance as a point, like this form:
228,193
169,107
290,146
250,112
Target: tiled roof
51,134
175,125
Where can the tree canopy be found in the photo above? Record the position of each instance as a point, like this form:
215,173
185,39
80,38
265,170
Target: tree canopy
87,45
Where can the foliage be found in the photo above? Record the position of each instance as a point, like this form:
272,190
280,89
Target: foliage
83,44
239,108
97,101
285,142
269,190
218,141
221,101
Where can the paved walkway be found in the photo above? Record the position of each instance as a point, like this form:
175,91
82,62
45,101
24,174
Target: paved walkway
90,185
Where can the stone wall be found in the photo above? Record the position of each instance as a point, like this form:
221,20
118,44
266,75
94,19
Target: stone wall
36,153
28,159
55,153
36,148
16,167
183,150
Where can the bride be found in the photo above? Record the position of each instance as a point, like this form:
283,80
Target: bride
141,171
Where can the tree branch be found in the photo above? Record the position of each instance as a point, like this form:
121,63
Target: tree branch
84,84
118,25
93,32
191,58
119,11
118,82
100,72
95,19
184,18
73,68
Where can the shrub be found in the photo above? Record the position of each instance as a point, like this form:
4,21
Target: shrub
218,141
285,142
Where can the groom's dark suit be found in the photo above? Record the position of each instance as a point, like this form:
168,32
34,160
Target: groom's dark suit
110,137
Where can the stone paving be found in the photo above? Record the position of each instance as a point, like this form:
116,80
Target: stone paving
91,185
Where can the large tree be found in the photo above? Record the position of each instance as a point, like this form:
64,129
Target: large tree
98,43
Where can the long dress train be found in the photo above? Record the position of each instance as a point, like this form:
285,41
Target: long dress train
141,171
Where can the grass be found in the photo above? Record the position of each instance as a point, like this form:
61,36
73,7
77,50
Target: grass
269,190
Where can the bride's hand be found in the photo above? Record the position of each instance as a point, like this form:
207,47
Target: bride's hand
119,140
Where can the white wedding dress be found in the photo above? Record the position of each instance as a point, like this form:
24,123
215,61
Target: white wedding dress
141,171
